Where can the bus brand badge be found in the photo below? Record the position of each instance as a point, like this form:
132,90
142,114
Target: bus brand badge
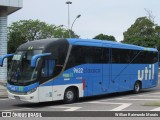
147,73
68,75
30,47
20,88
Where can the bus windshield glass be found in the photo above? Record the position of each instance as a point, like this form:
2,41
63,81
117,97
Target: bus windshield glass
21,72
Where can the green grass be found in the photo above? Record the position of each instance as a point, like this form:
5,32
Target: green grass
154,103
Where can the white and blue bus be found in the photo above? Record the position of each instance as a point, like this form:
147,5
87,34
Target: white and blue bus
67,69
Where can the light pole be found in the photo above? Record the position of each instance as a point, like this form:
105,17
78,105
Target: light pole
78,16
68,3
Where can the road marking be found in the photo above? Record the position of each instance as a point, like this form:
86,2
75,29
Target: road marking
137,99
119,108
143,110
155,93
68,108
16,109
146,96
4,99
123,97
156,109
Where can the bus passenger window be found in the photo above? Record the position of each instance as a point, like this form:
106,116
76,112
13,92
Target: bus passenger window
48,67
105,57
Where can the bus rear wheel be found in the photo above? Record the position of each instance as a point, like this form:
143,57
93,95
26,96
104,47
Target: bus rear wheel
69,96
137,87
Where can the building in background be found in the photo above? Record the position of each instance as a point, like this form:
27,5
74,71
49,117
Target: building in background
7,7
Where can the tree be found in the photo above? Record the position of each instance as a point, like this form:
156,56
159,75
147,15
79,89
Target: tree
29,30
150,15
144,33
105,37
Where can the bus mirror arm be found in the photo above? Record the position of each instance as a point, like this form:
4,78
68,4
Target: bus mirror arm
35,58
3,57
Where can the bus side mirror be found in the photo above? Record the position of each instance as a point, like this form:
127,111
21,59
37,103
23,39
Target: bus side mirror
3,57
35,58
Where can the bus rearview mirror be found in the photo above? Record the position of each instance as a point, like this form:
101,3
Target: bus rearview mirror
3,58
35,58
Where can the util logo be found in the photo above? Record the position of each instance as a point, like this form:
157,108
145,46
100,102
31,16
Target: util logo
147,73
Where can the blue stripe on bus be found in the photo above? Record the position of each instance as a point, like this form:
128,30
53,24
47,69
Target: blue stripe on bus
60,81
22,88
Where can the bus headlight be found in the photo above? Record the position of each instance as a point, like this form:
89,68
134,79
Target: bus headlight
31,91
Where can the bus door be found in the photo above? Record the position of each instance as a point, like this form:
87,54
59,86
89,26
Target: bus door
93,70
45,89
106,66
121,70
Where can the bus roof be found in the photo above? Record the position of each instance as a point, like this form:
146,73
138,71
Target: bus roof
105,43
44,43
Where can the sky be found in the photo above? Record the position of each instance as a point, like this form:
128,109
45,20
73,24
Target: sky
111,17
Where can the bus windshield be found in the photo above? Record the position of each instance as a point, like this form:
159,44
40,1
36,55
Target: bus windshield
21,72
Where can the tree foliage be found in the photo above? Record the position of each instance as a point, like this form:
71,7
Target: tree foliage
144,33
105,37
29,30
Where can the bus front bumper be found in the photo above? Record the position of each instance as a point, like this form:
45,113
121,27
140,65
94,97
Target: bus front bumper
33,97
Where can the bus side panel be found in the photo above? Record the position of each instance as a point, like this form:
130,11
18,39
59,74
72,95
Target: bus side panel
88,79
113,86
154,82
124,76
106,76
132,71
119,79
90,75
125,82
54,89
88,87
59,90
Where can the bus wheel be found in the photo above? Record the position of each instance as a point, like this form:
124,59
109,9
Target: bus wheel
69,95
137,87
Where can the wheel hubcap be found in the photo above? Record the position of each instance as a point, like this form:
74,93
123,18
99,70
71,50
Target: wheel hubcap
69,95
137,87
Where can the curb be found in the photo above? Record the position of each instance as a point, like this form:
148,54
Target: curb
3,96
3,91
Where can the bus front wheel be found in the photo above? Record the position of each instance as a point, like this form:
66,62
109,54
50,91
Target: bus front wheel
69,95
137,87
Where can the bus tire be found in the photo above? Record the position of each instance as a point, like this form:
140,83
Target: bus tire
69,95
137,87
